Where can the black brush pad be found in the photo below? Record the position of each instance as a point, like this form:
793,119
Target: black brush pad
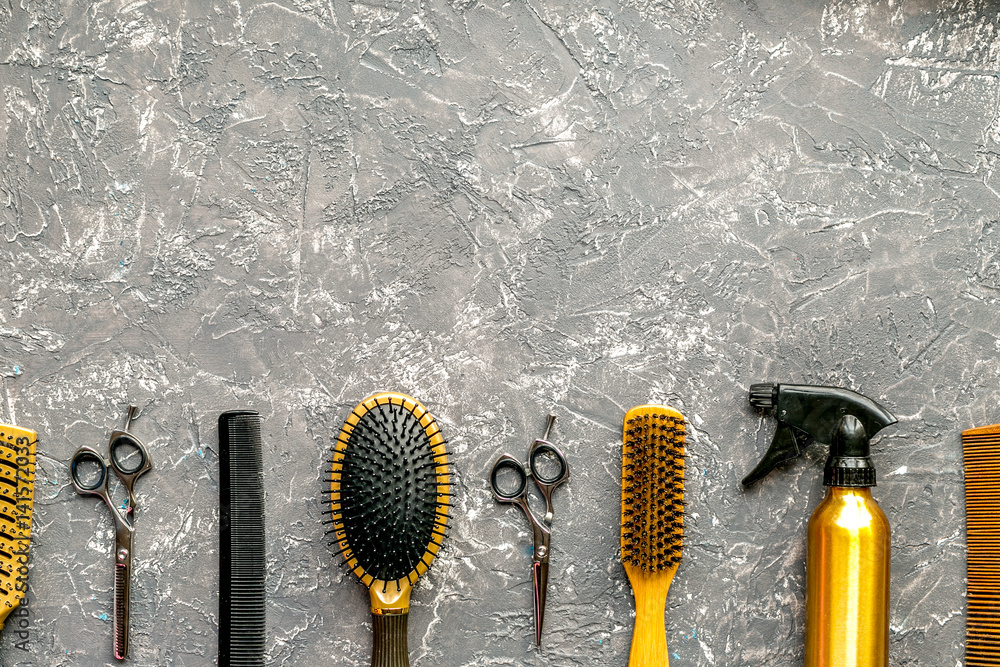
388,492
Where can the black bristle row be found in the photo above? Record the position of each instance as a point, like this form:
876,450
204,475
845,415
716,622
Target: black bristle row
388,508
653,490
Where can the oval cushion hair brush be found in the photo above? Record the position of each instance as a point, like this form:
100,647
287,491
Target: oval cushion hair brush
652,521
389,488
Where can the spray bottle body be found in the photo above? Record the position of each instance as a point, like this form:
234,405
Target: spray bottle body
847,581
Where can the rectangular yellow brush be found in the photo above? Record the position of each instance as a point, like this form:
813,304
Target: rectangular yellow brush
652,521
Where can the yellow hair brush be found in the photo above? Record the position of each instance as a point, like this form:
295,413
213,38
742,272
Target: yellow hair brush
652,521
17,493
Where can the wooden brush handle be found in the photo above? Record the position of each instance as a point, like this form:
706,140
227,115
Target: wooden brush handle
389,648
649,639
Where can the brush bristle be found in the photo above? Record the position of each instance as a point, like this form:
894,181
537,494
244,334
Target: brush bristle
652,488
389,489
981,450
17,490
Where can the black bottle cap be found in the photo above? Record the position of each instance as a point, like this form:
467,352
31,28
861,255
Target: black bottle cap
849,463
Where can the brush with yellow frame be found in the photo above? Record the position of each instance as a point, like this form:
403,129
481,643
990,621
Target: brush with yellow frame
389,485
652,521
17,493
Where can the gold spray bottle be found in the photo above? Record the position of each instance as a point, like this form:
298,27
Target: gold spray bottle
847,552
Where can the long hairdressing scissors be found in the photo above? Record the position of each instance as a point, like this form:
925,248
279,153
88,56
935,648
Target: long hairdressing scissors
127,472
541,528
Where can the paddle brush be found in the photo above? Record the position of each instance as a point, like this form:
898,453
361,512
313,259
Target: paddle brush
981,449
389,487
652,521
17,493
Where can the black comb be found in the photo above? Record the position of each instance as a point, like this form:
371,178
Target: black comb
241,554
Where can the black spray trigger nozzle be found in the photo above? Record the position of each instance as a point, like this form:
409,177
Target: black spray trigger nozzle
849,438
825,414
764,395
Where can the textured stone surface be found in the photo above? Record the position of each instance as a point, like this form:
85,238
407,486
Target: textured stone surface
502,210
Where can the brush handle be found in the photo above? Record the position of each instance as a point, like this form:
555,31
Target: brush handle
649,638
389,648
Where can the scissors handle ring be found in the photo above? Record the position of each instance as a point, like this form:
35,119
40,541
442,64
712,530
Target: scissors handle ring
88,454
127,474
518,494
540,448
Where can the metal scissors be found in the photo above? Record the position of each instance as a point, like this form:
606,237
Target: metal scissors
123,515
541,528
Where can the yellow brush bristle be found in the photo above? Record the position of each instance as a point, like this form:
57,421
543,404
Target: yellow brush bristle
652,487
981,449
17,492
652,521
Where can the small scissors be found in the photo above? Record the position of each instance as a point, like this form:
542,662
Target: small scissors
542,529
123,515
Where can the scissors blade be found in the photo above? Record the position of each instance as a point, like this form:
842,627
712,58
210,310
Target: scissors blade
540,572
121,623
123,588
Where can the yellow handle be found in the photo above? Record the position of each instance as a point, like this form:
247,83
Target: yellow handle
649,639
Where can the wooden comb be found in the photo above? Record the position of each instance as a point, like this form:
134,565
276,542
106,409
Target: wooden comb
981,449
652,521
17,493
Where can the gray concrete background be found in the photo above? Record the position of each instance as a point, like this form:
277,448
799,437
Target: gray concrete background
502,209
